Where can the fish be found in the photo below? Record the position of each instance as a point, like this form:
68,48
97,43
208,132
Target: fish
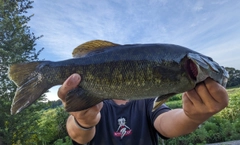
112,71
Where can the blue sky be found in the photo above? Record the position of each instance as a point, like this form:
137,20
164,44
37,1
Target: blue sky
209,27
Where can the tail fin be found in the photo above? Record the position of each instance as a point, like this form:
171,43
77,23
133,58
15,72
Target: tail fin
31,84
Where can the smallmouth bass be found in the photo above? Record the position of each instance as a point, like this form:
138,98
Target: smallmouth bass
113,71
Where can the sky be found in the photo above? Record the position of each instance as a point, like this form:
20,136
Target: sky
209,27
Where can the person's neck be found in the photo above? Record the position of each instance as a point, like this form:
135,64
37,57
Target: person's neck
120,102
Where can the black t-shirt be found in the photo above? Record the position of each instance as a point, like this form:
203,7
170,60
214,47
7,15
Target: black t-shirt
129,124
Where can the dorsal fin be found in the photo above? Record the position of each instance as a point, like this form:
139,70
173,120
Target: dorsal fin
90,46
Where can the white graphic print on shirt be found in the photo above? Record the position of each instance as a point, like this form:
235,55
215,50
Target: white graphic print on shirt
123,129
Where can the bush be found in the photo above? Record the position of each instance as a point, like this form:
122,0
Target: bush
174,104
176,97
65,141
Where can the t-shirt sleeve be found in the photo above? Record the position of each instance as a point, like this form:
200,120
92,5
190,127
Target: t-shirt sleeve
153,115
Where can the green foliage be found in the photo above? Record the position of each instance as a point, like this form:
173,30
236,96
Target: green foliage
65,141
16,45
51,125
232,112
47,123
174,104
224,126
176,97
234,77
175,101
54,104
212,131
48,128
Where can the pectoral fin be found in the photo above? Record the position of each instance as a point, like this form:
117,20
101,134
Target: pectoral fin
160,100
79,99
91,46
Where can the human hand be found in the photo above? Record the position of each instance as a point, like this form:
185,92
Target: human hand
87,118
205,100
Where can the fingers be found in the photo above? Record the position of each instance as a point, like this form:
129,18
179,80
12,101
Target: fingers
194,97
186,101
89,117
203,93
68,85
191,100
217,91
93,111
206,99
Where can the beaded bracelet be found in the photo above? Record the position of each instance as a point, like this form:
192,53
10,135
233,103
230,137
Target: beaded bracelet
80,126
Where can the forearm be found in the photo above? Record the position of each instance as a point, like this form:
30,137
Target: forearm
175,123
79,135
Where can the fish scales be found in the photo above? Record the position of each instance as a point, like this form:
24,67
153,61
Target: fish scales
116,72
115,76
132,77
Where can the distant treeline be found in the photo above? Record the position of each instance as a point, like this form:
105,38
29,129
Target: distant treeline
234,77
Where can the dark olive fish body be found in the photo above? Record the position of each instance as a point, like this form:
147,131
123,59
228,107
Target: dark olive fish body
117,72
133,72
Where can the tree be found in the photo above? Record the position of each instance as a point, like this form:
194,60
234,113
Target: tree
17,44
234,77
52,128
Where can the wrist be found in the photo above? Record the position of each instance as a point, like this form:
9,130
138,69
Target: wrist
196,119
80,126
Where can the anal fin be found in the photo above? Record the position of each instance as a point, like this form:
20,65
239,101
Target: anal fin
79,99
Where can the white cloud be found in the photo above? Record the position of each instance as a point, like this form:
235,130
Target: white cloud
198,6
65,25
219,2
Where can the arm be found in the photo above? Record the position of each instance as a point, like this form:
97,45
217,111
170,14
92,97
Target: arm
199,104
86,118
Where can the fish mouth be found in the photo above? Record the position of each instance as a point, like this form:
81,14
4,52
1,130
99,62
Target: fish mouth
192,69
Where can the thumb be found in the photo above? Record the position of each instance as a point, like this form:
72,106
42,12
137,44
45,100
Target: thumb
71,83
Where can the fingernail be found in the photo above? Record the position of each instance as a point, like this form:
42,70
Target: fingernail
73,79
